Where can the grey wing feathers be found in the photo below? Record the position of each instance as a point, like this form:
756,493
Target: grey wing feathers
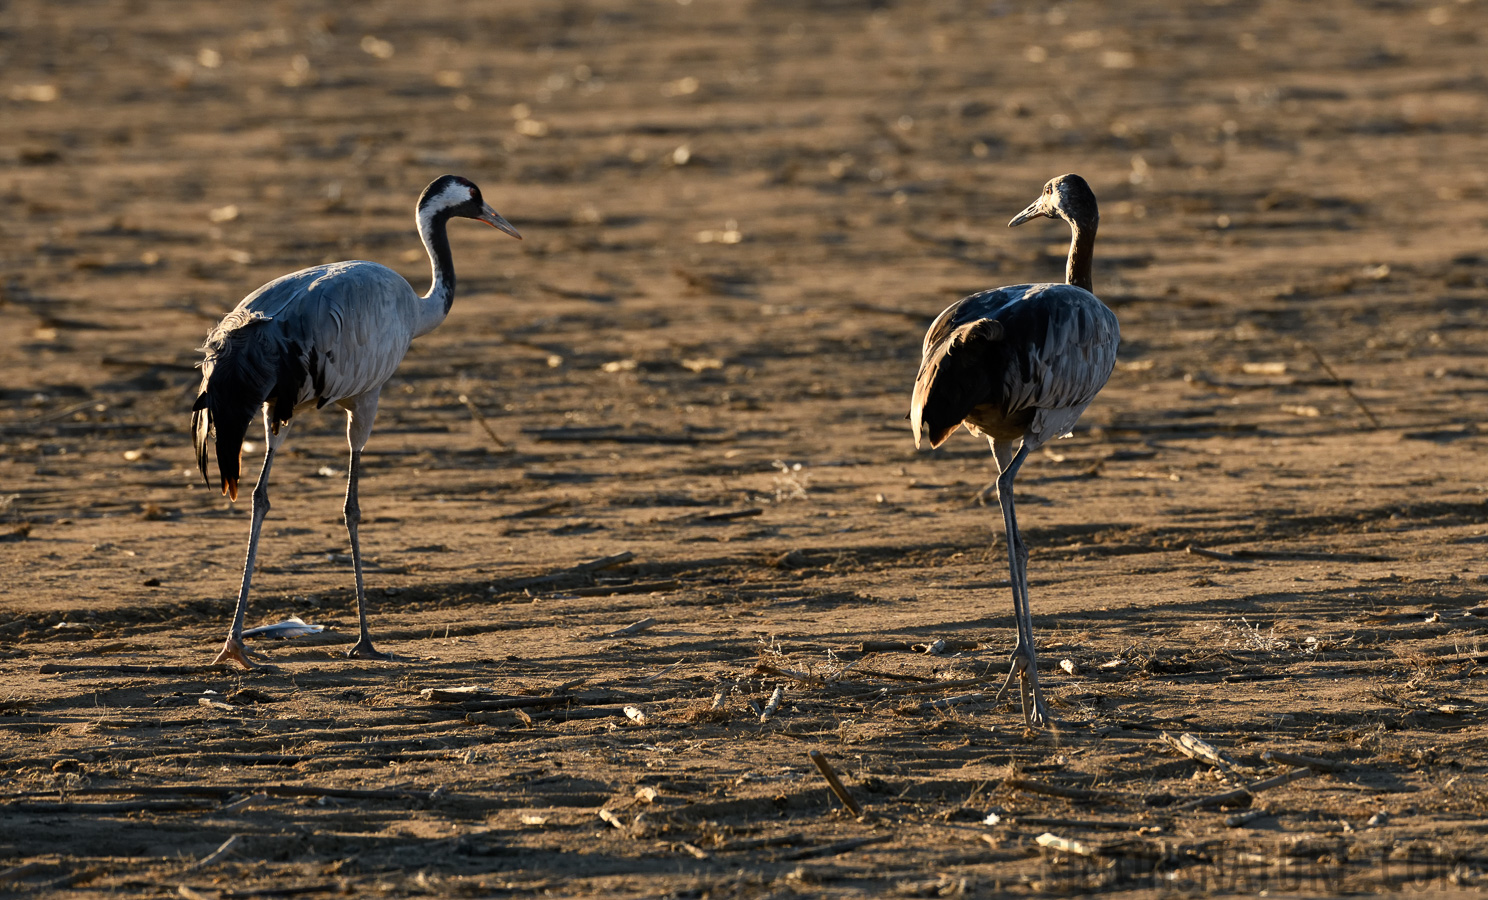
1022,351
321,334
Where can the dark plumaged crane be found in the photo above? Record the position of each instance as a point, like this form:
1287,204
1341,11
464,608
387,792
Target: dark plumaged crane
1018,365
328,334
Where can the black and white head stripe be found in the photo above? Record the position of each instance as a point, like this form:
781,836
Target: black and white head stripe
448,192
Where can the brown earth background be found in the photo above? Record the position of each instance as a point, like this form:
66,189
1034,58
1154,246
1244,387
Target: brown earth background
739,218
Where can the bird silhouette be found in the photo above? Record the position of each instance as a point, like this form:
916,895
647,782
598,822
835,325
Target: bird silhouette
1018,365
330,334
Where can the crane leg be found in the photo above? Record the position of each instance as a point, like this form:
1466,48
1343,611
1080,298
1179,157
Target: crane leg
353,510
232,649
1024,658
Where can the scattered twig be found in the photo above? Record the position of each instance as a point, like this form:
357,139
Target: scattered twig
1341,383
835,783
772,704
1057,790
1204,752
650,679
1240,820
612,819
907,647
237,806
190,893
481,421
722,696
948,702
118,806
632,628
1246,792
835,848
610,590
584,568
728,515
215,855
1311,762
1059,822
63,668
228,790
1196,550
517,703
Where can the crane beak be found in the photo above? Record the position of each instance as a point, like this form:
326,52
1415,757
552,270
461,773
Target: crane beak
492,218
1034,210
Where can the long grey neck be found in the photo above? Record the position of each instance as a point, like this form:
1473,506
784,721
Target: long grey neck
1081,255
441,294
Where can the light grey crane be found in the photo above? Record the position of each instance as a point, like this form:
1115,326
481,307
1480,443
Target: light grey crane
328,334
1018,365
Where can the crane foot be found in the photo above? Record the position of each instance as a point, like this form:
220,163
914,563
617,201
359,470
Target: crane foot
233,652
365,650
1035,713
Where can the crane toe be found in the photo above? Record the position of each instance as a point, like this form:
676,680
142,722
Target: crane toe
233,652
365,650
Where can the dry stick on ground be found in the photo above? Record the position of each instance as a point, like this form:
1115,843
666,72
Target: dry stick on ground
669,669
1239,820
1246,792
948,702
61,668
722,696
126,806
835,848
609,590
612,818
1196,550
1311,762
906,646
1204,752
584,568
835,783
1057,790
228,790
1341,383
481,421
632,628
773,703
1093,824
245,803
215,855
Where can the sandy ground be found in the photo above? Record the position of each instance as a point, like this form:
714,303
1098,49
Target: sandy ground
1268,531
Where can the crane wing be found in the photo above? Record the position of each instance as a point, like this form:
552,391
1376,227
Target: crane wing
322,334
1016,353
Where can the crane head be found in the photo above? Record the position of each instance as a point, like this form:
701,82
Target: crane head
451,195
1066,197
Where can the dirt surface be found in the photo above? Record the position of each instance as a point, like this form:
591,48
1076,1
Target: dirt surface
739,220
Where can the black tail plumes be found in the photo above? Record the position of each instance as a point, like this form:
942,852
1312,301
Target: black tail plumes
244,368
957,378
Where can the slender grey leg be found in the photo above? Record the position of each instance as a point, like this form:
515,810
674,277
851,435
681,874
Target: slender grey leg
353,510
1025,660
232,650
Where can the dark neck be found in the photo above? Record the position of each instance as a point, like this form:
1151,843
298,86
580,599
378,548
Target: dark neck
436,241
1081,255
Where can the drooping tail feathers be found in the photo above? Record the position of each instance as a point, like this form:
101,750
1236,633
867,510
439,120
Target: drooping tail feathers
246,365
955,377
